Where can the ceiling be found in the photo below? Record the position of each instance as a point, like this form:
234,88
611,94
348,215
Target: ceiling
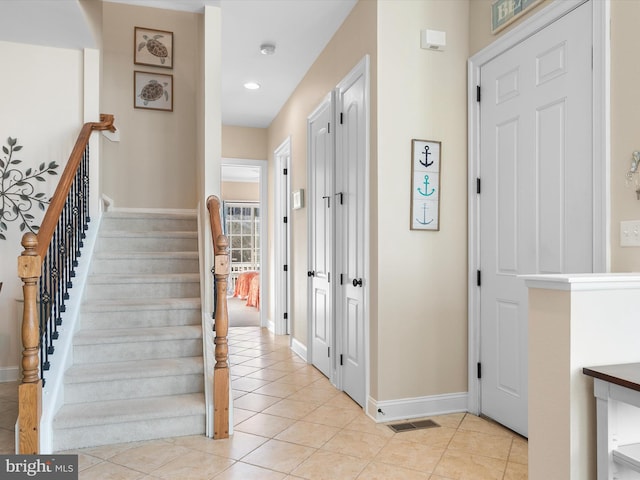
299,29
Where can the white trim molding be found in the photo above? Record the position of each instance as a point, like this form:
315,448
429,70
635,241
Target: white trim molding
584,282
299,349
417,407
282,239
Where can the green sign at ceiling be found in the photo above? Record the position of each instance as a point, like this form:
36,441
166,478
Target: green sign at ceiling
504,12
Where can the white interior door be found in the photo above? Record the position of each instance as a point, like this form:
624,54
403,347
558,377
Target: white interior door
321,202
350,232
282,157
536,203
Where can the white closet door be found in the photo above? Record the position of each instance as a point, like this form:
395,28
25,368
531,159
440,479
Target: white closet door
321,242
536,200
350,232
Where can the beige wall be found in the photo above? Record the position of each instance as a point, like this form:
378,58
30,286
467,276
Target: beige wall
480,23
154,165
422,276
354,39
413,325
625,128
241,191
244,142
549,384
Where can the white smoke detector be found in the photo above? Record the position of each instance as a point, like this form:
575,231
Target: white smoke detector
267,49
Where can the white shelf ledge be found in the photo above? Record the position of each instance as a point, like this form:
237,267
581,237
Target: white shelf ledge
628,456
584,281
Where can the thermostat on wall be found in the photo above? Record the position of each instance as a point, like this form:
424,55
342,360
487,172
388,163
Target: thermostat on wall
298,199
433,40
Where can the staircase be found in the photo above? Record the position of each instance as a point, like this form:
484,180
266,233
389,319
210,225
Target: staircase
137,370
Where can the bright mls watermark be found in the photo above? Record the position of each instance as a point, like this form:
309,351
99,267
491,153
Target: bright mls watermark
50,467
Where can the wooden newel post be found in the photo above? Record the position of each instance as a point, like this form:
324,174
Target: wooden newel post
30,391
221,369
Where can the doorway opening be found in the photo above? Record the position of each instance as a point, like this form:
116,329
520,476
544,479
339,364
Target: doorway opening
244,200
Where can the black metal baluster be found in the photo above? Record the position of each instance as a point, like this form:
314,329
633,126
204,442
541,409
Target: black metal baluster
85,180
58,267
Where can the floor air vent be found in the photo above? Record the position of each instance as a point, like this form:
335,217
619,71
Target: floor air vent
408,426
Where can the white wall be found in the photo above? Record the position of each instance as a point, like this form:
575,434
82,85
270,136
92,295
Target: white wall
41,93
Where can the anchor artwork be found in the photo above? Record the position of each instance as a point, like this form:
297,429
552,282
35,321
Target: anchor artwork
425,186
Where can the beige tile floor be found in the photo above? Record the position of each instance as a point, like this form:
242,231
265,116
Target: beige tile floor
290,423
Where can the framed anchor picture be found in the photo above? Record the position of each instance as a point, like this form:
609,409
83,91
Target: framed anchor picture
425,184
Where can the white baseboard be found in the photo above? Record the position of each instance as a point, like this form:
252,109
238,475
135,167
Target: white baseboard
9,374
299,349
405,408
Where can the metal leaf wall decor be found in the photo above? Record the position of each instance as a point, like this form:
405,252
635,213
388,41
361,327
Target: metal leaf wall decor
18,189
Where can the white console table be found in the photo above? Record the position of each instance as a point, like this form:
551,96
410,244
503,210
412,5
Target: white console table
617,392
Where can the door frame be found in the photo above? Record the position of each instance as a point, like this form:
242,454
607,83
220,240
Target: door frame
600,160
264,219
361,68
282,254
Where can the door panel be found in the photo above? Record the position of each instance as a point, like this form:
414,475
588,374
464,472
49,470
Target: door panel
321,160
281,239
350,231
536,203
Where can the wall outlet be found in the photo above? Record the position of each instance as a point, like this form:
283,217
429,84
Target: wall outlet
630,233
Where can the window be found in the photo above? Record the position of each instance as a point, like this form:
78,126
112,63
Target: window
242,227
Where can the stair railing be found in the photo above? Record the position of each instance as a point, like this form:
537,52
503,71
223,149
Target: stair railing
221,315
47,267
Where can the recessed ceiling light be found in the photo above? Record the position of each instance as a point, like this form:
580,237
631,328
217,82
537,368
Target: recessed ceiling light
267,49
252,86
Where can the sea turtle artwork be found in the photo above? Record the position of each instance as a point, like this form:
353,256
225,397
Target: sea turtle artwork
153,91
155,47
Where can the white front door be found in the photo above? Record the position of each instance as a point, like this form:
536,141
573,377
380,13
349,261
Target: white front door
321,203
536,194
350,232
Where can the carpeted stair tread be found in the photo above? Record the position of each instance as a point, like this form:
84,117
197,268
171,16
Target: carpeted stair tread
131,410
118,278
111,371
145,255
138,371
133,304
148,233
134,335
154,216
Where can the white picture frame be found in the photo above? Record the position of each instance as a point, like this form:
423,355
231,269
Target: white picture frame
425,184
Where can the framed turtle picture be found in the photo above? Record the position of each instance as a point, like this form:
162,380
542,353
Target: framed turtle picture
153,91
153,47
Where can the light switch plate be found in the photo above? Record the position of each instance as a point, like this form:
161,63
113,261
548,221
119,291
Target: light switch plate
630,233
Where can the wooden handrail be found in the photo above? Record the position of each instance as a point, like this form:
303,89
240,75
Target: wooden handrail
221,369
213,205
30,270
59,198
